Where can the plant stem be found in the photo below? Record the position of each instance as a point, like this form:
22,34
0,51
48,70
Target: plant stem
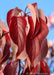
3,34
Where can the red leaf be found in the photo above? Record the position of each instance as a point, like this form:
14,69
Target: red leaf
27,71
32,48
44,68
37,29
33,45
36,34
31,71
11,13
10,68
41,14
6,51
14,48
31,31
1,73
43,31
39,69
43,52
34,4
33,13
17,32
3,27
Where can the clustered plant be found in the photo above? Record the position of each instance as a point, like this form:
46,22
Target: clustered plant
26,35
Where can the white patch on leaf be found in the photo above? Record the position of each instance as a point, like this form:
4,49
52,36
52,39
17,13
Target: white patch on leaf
33,13
41,14
27,27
